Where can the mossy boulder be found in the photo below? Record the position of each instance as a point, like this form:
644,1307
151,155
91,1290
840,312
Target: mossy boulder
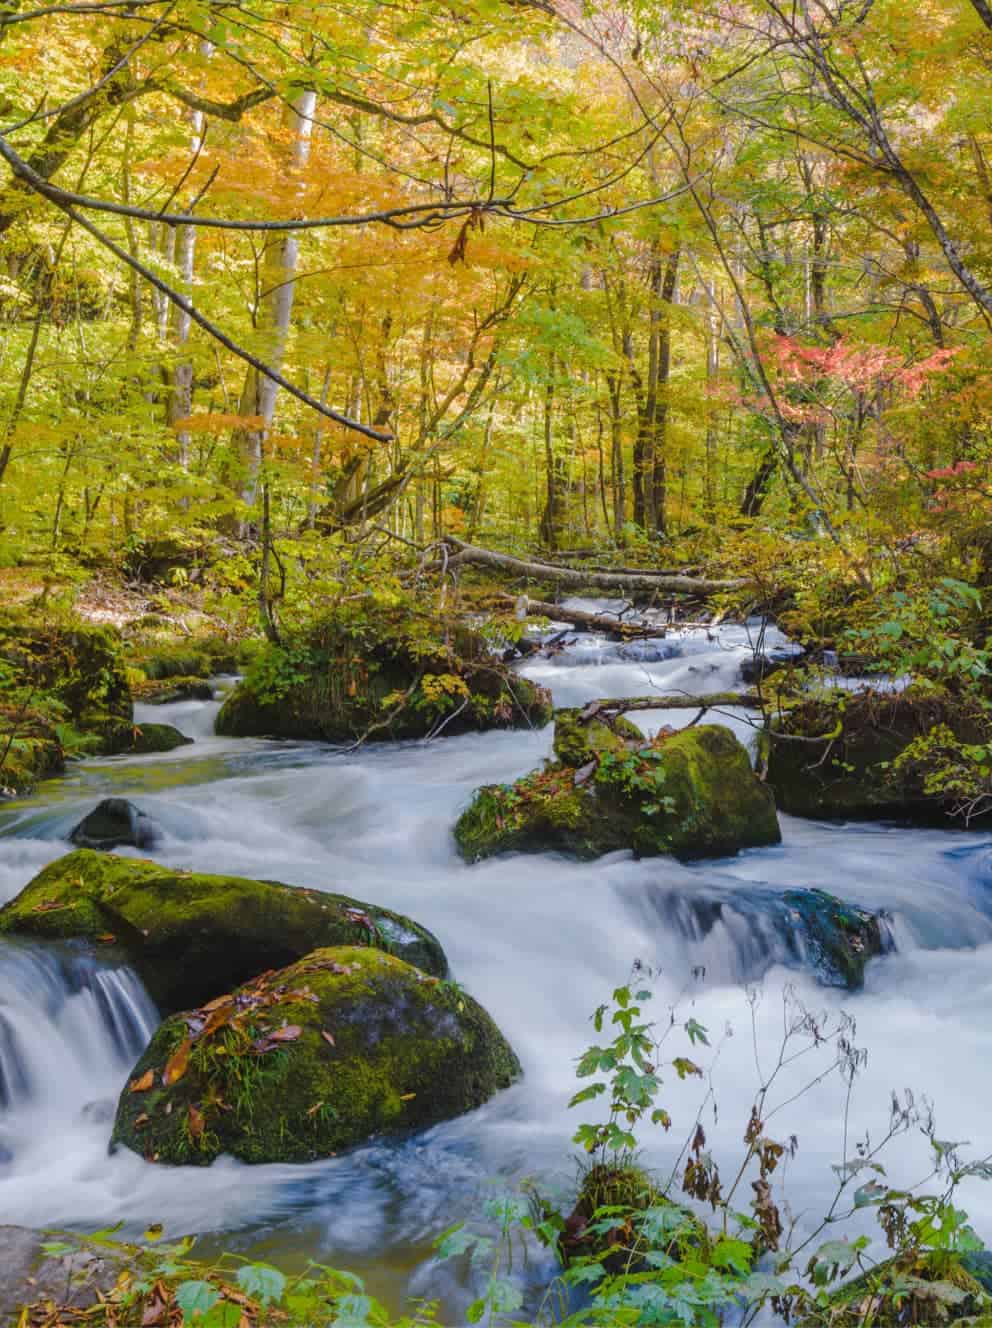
301,1064
191,936
390,678
840,938
149,738
30,751
112,823
924,1289
691,794
72,671
851,755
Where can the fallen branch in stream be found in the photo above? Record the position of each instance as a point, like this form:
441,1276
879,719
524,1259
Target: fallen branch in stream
609,707
462,554
607,623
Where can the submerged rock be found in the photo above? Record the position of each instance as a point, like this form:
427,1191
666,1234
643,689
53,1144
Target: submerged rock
191,936
380,680
345,1045
114,823
844,755
691,794
157,738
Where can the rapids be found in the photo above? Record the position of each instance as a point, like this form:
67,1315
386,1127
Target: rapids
539,940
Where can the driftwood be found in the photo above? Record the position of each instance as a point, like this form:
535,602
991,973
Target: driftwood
650,582
593,622
609,707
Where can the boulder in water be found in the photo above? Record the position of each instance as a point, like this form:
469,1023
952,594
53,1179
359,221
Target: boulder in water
31,1276
163,691
150,738
300,1064
382,679
113,823
848,755
192,936
691,794
840,938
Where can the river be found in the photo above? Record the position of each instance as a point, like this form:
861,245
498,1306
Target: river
539,940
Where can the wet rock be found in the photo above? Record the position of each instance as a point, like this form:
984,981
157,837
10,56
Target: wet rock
833,756
113,823
691,794
31,1276
150,738
191,936
382,680
840,938
300,1064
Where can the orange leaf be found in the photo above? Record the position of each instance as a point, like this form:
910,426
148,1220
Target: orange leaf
328,1037
107,938
143,1084
215,1004
176,1065
141,1120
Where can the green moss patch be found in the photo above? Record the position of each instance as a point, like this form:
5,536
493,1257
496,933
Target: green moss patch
191,936
300,1064
691,794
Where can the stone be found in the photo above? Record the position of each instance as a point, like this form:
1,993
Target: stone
113,823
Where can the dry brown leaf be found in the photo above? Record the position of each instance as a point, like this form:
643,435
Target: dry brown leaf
328,1037
176,1065
141,1120
216,1003
107,938
195,1117
143,1084
288,1033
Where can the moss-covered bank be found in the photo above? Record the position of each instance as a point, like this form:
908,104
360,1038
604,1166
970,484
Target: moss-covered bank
192,936
300,1064
851,755
691,794
387,677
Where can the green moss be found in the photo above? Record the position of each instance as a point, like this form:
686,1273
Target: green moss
927,1290
26,760
164,691
380,1048
192,936
157,738
832,756
840,938
691,794
384,679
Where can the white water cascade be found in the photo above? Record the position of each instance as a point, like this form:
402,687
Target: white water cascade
540,940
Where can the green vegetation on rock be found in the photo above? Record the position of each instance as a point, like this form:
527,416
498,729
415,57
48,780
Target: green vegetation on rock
840,938
390,675
192,936
157,738
690,794
300,1064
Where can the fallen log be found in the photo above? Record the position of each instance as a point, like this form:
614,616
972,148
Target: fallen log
606,623
651,582
610,706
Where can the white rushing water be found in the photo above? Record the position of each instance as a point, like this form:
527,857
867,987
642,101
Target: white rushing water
539,940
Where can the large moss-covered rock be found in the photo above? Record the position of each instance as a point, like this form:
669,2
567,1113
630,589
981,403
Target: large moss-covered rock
850,755
691,794
74,669
149,738
840,938
300,1064
389,678
163,691
919,1288
192,936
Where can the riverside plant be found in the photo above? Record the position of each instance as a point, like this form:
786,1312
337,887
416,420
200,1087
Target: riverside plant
690,1248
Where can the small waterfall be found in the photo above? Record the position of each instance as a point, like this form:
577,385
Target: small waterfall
70,1029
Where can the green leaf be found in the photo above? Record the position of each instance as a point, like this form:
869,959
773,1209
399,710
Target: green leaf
262,1282
195,1298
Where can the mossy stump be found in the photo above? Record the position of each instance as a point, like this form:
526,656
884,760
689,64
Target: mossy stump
191,936
691,794
301,1064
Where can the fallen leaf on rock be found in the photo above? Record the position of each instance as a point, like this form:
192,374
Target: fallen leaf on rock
195,1117
407,1097
47,906
107,938
328,1037
216,1003
288,1033
312,1111
175,1066
143,1084
141,1120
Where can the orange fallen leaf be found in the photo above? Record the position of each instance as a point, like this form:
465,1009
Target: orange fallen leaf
143,1084
195,1117
312,1111
107,938
141,1120
328,1037
176,1065
216,1003
47,906
407,1097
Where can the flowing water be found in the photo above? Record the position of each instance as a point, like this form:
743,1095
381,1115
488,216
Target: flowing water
539,940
